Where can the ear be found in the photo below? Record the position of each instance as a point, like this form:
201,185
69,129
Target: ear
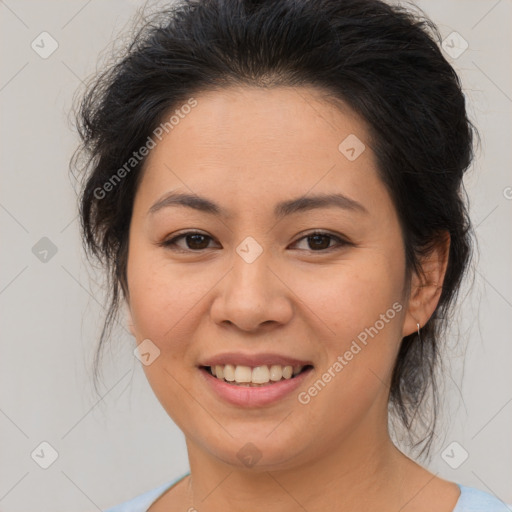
426,288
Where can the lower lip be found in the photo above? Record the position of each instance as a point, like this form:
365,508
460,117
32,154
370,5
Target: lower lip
254,396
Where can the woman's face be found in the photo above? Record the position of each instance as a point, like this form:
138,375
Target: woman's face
256,288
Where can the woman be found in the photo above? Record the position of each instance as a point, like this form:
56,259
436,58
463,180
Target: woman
275,189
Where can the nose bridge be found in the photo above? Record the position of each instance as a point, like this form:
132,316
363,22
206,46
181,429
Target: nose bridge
251,294
250,284
251,268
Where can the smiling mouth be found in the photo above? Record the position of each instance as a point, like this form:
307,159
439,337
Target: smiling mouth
257,376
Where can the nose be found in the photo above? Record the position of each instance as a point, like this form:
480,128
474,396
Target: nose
253,296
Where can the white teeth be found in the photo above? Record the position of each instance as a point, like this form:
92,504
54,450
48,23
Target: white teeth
276,372
229,372
287,372
243,374
258,375
219,371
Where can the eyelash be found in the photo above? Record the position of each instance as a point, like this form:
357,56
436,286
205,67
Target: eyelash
171,243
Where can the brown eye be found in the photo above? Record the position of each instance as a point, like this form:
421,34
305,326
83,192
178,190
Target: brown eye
193,241
320,241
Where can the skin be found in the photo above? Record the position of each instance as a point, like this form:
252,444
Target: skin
248,149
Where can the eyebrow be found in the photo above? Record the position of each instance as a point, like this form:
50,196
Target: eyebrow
281,210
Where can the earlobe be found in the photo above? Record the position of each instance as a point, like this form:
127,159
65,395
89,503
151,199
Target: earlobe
426,288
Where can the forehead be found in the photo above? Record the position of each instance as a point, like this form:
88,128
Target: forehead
261,143
278,119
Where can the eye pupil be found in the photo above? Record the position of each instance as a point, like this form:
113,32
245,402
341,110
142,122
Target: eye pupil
320,246
195,236
197,242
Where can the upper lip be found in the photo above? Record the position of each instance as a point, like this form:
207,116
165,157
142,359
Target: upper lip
237,358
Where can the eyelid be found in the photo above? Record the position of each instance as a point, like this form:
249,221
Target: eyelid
170,243
340,239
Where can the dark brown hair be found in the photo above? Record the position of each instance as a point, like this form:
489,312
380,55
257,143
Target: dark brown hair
383,61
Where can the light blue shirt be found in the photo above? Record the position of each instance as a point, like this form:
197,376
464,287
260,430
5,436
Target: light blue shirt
470,500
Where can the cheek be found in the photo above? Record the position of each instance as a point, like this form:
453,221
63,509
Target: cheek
154,303
359,358
350,296
360,307
166,301
162,306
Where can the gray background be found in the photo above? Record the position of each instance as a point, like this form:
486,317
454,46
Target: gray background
113,447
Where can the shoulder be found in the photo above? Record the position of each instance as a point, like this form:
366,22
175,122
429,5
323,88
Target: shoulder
143,501
474,500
